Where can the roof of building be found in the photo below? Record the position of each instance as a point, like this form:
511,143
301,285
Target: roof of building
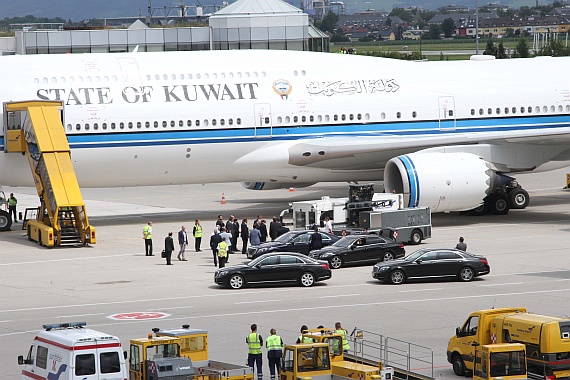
249,7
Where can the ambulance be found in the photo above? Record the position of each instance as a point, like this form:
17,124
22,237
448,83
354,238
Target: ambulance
69,351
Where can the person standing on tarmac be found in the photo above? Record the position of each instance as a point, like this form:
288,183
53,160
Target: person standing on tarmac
316,240
12,202
147,236
461,245
215,240
339,330
183,241
274,345
168,248
255,235
254,343
244,236
197,232
263,231
222,252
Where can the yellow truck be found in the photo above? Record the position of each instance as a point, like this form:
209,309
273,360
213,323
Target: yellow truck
546,338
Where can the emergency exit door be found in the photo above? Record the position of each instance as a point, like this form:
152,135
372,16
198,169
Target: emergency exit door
446,113
262,117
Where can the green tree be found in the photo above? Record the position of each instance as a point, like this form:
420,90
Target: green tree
525,11
402,13
448,27
339,38
388,22
434,33
490,49
328,23
522,50
509,32
501,53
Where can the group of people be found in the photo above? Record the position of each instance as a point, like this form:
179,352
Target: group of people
169,242
274,345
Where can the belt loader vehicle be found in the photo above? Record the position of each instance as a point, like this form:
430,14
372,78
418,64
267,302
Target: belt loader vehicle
547,340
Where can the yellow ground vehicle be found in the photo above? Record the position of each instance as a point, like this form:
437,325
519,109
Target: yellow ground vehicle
547,340
35,128
194,346
502,360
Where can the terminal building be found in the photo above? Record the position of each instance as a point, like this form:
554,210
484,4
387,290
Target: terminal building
245,24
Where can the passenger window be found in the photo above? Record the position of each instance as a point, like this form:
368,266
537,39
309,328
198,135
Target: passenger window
266,120
302,239
268,261
430,256
109,362
447,255
288,260
41,358
85,365
470,327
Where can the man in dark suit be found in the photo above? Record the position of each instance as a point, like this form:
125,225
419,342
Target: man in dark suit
316,240
168,248
274,227
244,236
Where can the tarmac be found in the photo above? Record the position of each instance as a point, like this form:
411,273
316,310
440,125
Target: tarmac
116,289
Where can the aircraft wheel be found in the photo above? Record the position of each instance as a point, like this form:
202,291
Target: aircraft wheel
518,198
5,221
499,204
480,210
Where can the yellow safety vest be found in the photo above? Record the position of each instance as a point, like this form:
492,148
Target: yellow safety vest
254,343
345,345
222,249
274,342
147,232
306,339
12,201
198,232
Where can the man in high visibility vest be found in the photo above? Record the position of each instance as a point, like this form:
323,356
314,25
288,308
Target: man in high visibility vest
306,339
12,202
222,252
197,232
254,343
147,236
274,345
339,330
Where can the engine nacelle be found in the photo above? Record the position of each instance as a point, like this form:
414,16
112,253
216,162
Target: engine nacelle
273,185
440,181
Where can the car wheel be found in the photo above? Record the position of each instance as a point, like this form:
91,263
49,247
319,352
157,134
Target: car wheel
416,237
466,274
458,365
389,255
5,221
236,281
397,277
518,198
307,279
336,262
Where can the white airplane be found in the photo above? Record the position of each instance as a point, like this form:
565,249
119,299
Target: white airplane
448,135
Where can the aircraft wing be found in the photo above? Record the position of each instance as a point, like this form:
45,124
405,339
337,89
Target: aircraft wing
374,150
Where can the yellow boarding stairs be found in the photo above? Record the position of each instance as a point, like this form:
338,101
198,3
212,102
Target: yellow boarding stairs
35,128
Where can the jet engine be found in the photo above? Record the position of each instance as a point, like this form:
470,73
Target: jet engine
441,181
273,185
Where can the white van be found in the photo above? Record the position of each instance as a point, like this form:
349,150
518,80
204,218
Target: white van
68,351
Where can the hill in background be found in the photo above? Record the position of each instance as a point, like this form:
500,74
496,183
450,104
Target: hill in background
78,10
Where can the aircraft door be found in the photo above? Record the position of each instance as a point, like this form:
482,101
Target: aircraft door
446,113
263,122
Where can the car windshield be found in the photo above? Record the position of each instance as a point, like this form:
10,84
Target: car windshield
286,237
345,241
414,256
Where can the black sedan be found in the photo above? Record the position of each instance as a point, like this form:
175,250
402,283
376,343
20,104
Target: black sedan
432,263
274,268
360,249
292,241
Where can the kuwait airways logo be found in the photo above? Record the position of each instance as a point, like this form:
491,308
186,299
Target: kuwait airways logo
283,88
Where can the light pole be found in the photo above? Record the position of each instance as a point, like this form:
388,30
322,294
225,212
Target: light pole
476,28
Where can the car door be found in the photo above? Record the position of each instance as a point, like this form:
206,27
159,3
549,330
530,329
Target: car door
374,248
357,251
265,271
289,268
326,239
424,266
449,263
300,244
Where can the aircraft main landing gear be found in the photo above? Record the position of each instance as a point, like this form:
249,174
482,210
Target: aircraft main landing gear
511,196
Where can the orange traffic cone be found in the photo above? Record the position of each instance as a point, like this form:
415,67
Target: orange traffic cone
223,199
291,190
